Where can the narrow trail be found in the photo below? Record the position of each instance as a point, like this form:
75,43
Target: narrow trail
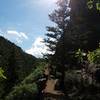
50,87
49,91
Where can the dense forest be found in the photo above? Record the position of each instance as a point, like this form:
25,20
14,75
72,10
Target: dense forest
71,69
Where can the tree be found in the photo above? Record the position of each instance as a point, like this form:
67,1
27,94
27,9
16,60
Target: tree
84,25
60,18
80,31
56,36
51,40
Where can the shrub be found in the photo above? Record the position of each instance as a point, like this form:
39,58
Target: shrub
72,81
94,57
23,92
27,89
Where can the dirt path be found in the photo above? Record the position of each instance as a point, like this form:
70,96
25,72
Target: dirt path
50,87
50,84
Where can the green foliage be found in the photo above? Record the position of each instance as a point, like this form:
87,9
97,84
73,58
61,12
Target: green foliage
72,80
2,74
23,92
91,57
2,79
94,57
84,30
79,55
16,65
77,89
35,74
98,6
14,60
91,4
27,89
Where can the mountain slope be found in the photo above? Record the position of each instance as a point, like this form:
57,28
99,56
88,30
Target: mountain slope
15,62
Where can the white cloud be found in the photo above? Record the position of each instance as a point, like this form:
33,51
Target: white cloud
13,32
16,33
38,48
14,36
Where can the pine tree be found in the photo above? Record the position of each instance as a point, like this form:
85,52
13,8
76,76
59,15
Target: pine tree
55,34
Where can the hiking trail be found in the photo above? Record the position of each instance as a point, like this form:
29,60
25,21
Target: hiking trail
49,92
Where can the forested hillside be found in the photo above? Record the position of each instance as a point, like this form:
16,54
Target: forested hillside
15,63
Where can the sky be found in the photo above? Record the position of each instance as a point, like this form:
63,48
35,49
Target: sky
24,22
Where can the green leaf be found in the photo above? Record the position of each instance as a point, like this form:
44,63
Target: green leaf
2,74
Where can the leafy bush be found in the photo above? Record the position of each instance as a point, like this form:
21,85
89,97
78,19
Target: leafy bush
72,81
27,89
79,55
77,89
23,92
94,57
35,74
